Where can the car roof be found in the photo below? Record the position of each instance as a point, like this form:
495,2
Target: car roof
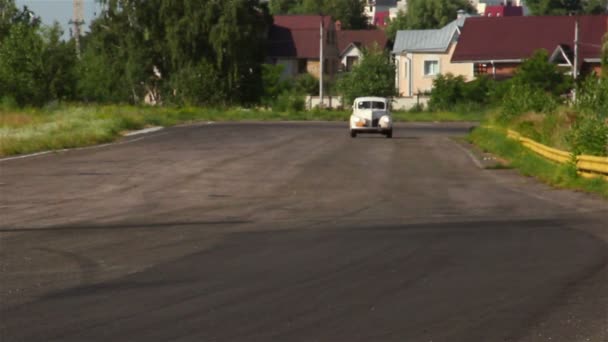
371,98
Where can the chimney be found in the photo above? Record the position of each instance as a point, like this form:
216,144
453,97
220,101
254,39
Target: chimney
338,25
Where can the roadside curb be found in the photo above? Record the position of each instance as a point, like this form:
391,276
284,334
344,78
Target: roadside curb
145,131
482,160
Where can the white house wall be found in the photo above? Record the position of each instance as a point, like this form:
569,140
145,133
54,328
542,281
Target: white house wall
351,52
411,80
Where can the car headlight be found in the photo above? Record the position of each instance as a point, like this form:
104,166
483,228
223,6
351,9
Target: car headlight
386,119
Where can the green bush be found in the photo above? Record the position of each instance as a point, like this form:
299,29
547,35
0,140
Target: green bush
196,85
536,87
522,98
589,135
447,91
373,76
272,83
450,91
592,96
479,90
289,101
307,84
538,73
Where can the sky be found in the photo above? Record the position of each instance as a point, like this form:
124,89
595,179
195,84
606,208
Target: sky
60,11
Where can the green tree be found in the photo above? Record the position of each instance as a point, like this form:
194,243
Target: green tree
537,72
450,91
36,66
272,83
282,6
151,40
7,14
58,76
565,7
373,76
553,7
196,85
21,66
348,12
102,69
399,23
427,14
595,6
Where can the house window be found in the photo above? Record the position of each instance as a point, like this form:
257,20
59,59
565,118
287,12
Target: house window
481,69
431,68
351,61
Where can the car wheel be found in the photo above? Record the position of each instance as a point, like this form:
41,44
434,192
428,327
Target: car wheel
353,134
389,134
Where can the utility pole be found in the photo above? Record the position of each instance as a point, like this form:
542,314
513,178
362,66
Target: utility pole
77,21
321,64
575,64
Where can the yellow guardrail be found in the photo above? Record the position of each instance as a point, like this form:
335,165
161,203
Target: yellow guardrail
587,166
590,166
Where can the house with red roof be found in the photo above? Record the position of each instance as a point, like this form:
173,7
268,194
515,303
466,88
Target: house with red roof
507,10
294,42
351,44
379,12
497,46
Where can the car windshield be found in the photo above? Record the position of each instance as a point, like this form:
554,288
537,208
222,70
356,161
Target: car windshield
370,105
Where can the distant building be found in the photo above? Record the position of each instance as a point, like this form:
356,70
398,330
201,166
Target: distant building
482,5
379,12
401,7
351,44
294,42
422,55
503,11
497,46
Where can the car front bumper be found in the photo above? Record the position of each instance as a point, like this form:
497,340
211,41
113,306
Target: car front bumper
371,129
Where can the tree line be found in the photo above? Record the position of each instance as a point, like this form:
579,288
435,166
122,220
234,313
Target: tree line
183,51
186,52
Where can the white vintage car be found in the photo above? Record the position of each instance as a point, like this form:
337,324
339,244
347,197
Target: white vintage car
371,115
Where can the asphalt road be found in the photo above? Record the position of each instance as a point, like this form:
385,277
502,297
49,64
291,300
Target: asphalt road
295,232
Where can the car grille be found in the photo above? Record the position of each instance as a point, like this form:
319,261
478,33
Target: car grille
375,122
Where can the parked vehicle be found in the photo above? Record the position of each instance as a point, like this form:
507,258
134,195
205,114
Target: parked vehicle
371,115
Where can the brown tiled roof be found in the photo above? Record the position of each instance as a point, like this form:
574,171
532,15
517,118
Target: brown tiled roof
361,38
296,36
516,38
